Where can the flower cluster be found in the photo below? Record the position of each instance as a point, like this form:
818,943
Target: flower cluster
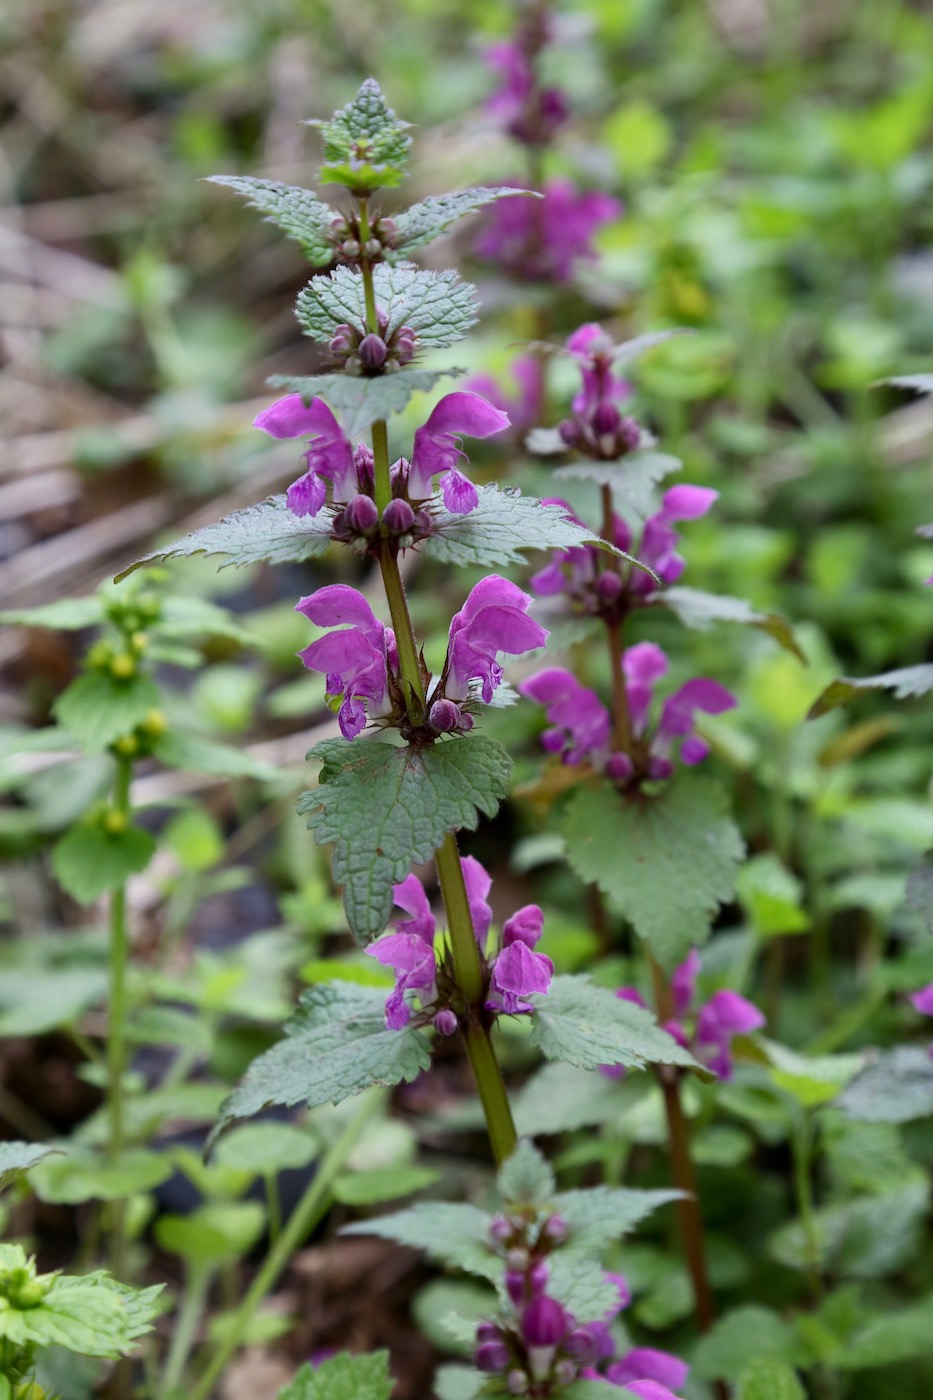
542,240
581,726
589,582
707,1028
523,106
513,972
596,427
331,460
537,1347
361,661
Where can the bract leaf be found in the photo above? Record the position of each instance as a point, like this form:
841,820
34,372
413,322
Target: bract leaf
297,212
438,306
699,610
590,1026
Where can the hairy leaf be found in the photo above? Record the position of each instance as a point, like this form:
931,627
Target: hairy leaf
267,532
94,1314
603,1213
335,1045
438,306
452,1233
359,401
582,1286
96,708
919,892
89,861
526,1177
632,477
741,1336
867,1237
668,861
297,212
561,1098
17,1157
768,1379
33,1001
386,809
896,1088
343,1377
422,222
366,147
700,610
906,684
192,753
590,1026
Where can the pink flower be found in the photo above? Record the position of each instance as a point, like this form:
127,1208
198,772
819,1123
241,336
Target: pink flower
518,973
436,451
580,719
643,1364
409,952
329,456
524,408
356,660
540,240
493,619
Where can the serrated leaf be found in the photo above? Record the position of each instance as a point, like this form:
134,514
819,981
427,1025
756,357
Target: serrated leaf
366,147
561,1098
386,809
632,477
603,1213
267,532
666,861
450,1232
265,1147
438,306
771,896
526,1177
699,610
581,1286
334,1046
93,1315
78,1177
906,684
744,1335
96,708
896,1088
502,523
359,401
768,1379
65,615
590,1026
423,221
17,1157
343,1377
297,212
88,861
194,754
459,1383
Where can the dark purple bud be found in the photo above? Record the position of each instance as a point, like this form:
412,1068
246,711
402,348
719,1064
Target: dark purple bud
488,1332
500,1229
515,1284
606,418
608,587
619,767
660,768
444,716
491,1356
445,1022
544,1322
341,342
517,1383
538,1277
404,345
398,517
361,515
350,248
556,1229
581,1344
372,351
466,720
423,524
629,434
570,432
365,469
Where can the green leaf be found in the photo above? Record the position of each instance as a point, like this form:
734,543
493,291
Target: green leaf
96,708
603,1213
335,1045
265,1147
365,145
17,1157
297,212
896,1088
526,1177
192,753
596,1390
699,610
458,1383
358,401
89,861
196,617
744,1335
450,1232
94,1315
919,892
868,1237
632,477
34,1001
890,1338
503,523
382,1184
561,1098
70,1180
582,1286
906,684
422,222
65,615
666,861
771,896
386,809
438,306
219,1232
343,1377
590,1026
768,1379
267,532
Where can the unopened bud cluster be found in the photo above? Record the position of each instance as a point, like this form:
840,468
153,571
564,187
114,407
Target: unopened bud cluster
601,431
350,246
357,351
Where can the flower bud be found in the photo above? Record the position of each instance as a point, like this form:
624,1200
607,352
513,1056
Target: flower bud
660,768
372,351
123,666
606,418
488,1332
349,248
565,1372
445,1022
556,1229
581,1344
544,1322
398,517
538,1276
373,248
515,1284
491,1356
126,746
155,723
361,515
115,822
500,1229
517,1259
517,1382
444,716
139,641
608,586
466,720
570,432
629,434
619,767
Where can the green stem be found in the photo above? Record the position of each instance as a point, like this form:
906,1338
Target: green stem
116,1022
621,722
193,1303
469,974
409,665
314,1202
383,485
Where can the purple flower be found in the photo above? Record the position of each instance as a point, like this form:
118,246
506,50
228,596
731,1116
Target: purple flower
643,665
658,547
524,409
409,951
528,112
518,973
329,456
725,1015
646,1364
593,350
544,1327
493,619
580,719
356,660
478,884
540,240
525,926
684,983
436,451
922,1001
